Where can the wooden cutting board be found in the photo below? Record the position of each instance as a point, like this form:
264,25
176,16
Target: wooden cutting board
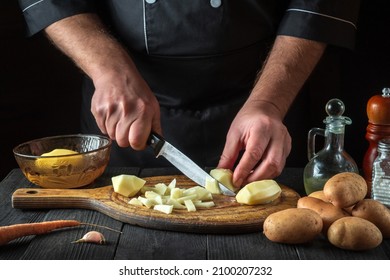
227,217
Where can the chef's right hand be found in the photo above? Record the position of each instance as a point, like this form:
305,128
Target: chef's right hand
125,108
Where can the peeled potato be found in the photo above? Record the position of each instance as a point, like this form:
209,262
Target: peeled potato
225,177
259,192
60,161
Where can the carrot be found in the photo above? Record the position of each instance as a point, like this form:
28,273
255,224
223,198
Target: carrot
9,233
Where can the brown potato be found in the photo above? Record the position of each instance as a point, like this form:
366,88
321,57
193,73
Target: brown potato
328,212
345,189
376,213
354,233
319,195
292,226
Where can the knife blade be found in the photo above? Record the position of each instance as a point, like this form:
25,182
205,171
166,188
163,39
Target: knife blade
189,168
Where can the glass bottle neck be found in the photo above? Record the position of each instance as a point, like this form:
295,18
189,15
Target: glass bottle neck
334,141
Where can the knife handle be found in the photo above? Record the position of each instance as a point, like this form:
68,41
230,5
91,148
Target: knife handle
156,141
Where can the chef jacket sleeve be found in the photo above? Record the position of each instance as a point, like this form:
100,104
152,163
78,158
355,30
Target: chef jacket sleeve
330,21
39,14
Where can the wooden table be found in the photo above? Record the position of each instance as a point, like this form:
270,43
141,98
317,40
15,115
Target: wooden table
137,243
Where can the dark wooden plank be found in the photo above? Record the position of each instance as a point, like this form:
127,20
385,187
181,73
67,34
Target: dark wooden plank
58,245
252,246
321,249
138,243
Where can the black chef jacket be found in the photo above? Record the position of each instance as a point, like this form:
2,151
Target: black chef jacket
199,57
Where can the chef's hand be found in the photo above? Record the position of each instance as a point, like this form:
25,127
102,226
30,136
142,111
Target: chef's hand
259,132
125,108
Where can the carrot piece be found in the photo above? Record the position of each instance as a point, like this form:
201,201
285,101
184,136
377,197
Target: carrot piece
11,232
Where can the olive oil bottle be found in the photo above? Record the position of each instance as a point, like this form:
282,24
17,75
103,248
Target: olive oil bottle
332,159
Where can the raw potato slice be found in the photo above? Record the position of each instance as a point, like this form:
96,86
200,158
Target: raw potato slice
165,198
190,205
259,192
212,186
135,201
225,177
127,185
167,209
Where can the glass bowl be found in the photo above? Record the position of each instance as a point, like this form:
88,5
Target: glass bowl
60,169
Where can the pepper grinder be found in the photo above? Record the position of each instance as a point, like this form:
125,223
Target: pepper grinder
378,113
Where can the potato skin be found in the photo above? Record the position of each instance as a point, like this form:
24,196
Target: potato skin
375,212
319,195
292,226
354,233
345,189
327,211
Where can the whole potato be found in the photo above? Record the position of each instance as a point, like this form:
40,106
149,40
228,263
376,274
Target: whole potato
292,226
319,195
354,233
327,211
345,189
375,212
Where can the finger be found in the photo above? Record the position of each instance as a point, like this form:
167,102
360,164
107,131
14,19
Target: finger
251,157
122,130
273,161
230,153
139,134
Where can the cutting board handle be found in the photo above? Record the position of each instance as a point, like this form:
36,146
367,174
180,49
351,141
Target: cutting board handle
37,198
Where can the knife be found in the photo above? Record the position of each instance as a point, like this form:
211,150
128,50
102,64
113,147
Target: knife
182,162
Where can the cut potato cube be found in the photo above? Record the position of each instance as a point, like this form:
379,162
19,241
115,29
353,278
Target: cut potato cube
167,209
204,204
172,184
175,204
212,186
187,197
190,205
259,192
225,177
176,193
161,188
147,202
135,201
201,193
127,185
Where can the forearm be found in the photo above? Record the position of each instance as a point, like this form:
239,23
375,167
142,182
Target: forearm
288,66
85,40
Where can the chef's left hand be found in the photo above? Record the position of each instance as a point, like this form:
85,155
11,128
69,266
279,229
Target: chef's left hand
259,132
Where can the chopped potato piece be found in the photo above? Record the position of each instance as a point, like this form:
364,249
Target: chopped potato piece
201,193
259,192
212,186
176,193
172,184
161,188
167,209
127,185
175,203
187,197
135,201
204,204
225,177
147,202
190,205
162,197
